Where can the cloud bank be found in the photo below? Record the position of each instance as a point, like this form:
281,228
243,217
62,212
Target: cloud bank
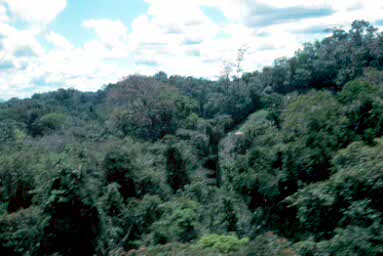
179,37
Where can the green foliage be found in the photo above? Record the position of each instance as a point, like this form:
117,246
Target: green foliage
223,244
317,211
7,131
353,240
317,129
118,168
116,222
176,169
288,154
18,173
351,198
21,233
179,221
356,240
145,212
363,107
147,108
54,121
270,244
73,214
176,249
222,211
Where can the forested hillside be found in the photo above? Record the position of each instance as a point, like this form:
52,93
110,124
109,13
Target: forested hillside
283,161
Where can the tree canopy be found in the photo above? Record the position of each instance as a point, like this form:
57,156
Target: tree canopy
282,161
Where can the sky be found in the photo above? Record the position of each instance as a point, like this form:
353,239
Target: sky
85,44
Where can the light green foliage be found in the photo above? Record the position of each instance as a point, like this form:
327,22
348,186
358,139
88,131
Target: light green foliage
179,221
191,121
373,75
223,243
54,121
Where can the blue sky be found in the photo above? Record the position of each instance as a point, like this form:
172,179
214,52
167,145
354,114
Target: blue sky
84,44
69,20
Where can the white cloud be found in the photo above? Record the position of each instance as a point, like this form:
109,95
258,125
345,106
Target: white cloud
175,36
110,32
3,14
23,43
40,12
239,10
170,33
59,41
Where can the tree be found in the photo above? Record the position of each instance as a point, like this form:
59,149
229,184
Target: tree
240,57
119,169
227,69
230,216
73,217
7,131
179,221
176,169
147,107
161,76
22,232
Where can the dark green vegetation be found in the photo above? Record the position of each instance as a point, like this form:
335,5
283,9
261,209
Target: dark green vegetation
287,161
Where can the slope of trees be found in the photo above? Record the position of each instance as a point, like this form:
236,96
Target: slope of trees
283,161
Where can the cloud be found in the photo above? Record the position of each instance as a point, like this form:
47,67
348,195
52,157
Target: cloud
3,14
41,12
316,29
146,62
110,32
179,37
24,51
266,15
21,43
191,42
6,64
193,52
168,34
188,21
58,41
248,11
